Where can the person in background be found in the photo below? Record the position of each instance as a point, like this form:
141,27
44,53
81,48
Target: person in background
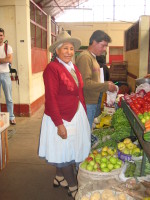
90,71
102,64
5,79
65,138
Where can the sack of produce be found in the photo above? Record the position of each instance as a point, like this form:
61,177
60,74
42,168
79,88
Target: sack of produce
99,166
92,191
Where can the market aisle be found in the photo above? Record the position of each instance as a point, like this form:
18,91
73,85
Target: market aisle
27,177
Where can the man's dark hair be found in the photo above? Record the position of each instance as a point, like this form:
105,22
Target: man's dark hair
2,30
99,36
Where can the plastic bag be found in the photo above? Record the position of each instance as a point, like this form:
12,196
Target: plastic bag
111,97
144,86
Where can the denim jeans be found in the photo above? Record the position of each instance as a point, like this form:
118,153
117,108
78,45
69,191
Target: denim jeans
91,109
98,109
5,81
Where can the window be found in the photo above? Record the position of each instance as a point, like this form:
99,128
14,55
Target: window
131,37
38,21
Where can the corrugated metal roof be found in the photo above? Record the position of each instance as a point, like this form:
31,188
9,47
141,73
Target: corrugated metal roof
56,7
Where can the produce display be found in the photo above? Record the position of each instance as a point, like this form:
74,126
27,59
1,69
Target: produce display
104,161
117,149
104,120
119,129
129,148
140,104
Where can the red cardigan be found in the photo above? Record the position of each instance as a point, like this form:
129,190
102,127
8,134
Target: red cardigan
62,95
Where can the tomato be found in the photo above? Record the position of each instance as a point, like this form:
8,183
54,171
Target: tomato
145,110
138,106
134,101
133,98
148,99
142,110
145,98
140,100
148,94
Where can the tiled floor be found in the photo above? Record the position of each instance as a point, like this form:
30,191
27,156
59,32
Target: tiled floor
26,176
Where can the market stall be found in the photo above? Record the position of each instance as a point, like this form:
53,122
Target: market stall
118,166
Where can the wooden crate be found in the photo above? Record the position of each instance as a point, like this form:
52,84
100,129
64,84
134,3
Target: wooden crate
4,140
118,72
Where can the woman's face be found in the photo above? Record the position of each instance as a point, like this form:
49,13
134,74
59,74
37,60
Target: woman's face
65,52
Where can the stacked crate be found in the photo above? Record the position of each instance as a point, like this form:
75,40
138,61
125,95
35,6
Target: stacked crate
118,71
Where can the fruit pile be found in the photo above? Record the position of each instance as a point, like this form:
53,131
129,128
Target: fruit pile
104,161
140,104
129,148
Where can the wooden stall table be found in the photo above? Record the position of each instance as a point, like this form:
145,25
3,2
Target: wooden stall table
4,124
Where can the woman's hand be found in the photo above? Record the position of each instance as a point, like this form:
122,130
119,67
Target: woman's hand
111,86
62,132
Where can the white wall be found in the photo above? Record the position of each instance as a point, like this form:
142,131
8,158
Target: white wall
15,19
84,30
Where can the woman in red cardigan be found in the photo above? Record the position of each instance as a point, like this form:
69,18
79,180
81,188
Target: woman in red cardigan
65,131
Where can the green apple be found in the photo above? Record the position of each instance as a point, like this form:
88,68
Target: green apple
119,162
98,161
110,166
113,160
89,167
96,165
91,155
98,156
104,159
103,165
105,169
116,166
92,163
84,165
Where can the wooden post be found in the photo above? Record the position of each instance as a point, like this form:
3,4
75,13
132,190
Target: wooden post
4,149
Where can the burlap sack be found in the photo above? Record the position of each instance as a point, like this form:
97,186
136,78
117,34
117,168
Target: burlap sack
85,176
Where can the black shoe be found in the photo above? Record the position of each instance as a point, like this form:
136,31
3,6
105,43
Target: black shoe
70,193
59,183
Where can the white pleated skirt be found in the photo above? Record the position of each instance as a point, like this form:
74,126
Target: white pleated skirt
60,152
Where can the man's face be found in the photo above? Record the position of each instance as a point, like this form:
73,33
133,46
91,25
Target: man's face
100,47
1,37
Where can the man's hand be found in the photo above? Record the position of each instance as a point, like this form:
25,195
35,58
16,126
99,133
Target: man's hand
62,132
111,86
